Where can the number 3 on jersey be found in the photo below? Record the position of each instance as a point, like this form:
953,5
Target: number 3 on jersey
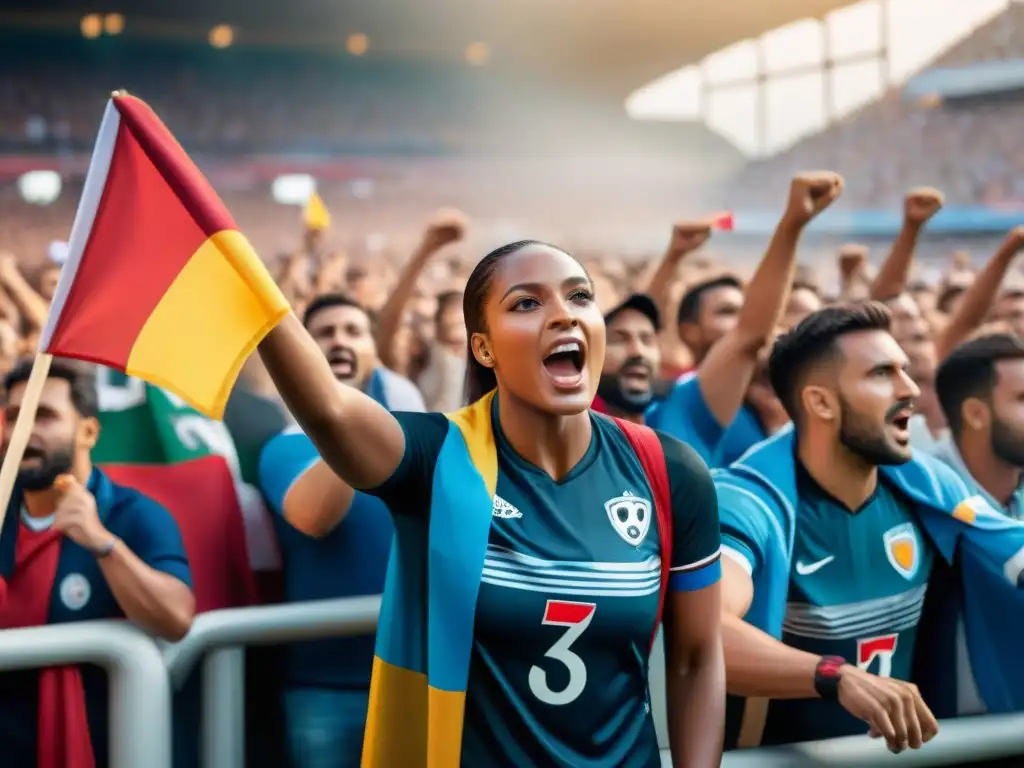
577,617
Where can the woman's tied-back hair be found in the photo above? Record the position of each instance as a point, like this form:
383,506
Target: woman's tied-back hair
479,378
813,341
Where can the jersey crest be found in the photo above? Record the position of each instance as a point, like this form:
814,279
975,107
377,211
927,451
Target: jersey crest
75,591
903,550
630,516
504,510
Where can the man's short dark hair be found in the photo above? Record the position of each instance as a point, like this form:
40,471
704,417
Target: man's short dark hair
81,378
448,299
689,307
329,300
970,371
813,341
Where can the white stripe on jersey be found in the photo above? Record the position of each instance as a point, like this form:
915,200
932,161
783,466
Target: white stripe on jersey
697,564
894,613
504,567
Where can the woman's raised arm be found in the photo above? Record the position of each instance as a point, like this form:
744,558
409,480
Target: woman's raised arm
355,435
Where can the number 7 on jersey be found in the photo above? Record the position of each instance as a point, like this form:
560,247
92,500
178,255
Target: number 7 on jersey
577,617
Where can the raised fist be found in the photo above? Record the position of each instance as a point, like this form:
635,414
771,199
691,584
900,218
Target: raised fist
812,192
447,226
921,203
689,236
1016,237
852,258
8,266
960,261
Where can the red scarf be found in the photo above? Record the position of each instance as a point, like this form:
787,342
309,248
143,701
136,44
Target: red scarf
63,739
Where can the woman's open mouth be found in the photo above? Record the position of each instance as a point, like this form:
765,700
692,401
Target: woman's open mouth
564,365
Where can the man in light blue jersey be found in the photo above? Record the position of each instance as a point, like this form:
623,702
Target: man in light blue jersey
334,542
833,536
980,387
703,405
344,331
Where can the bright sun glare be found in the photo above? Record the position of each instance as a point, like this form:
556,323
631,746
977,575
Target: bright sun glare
794,92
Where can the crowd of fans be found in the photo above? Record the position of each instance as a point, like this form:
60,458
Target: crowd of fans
383,298
386,327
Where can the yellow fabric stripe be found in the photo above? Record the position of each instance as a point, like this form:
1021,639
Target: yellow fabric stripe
444,728
396,720
474,421
217,310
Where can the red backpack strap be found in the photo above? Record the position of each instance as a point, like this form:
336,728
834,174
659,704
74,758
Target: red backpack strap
652,458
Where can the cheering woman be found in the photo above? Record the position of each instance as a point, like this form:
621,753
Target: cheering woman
537,544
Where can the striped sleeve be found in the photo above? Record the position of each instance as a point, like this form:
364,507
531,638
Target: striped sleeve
747,530
696,537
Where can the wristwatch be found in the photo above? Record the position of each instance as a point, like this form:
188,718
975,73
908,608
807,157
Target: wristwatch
827,676
100,552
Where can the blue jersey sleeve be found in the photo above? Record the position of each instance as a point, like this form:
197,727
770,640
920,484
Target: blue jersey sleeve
284,460
747,531
153,535
696,536
685,415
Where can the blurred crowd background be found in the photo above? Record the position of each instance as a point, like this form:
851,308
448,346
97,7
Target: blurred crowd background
430,125
521,135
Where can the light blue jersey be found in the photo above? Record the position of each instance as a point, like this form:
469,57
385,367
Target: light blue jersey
856,590
685,415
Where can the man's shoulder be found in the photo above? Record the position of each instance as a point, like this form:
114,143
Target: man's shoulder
401,393
130,506
934,480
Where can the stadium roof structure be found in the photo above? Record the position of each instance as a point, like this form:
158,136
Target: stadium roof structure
610,46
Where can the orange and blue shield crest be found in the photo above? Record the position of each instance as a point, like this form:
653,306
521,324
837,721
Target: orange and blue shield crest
903,549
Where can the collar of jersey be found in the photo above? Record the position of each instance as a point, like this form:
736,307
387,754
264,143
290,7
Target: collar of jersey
946,450
507,453
807,486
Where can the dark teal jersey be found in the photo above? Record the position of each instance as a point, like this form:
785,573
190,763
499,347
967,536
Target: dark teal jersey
569,596
856,590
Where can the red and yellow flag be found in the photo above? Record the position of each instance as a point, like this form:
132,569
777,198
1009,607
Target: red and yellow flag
159,283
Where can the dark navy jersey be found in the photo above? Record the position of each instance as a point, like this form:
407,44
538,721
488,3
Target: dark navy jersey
569,596
856,590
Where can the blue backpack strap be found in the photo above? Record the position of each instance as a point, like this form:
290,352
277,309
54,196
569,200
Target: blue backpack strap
652,458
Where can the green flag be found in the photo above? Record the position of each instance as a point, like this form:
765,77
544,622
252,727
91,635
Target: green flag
143,424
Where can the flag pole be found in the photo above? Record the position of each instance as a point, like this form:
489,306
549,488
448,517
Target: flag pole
22,429
34,388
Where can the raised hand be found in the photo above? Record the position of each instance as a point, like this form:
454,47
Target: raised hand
447,226
852,258
688,236
921,203
811,193
75,515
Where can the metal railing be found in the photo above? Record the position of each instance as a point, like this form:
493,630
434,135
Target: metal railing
223,634
140,694
141,680
965,740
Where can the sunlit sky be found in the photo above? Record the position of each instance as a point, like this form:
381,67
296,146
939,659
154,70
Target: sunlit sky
793,58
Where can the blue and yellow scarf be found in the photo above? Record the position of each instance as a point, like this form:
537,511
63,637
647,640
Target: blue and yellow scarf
421,664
